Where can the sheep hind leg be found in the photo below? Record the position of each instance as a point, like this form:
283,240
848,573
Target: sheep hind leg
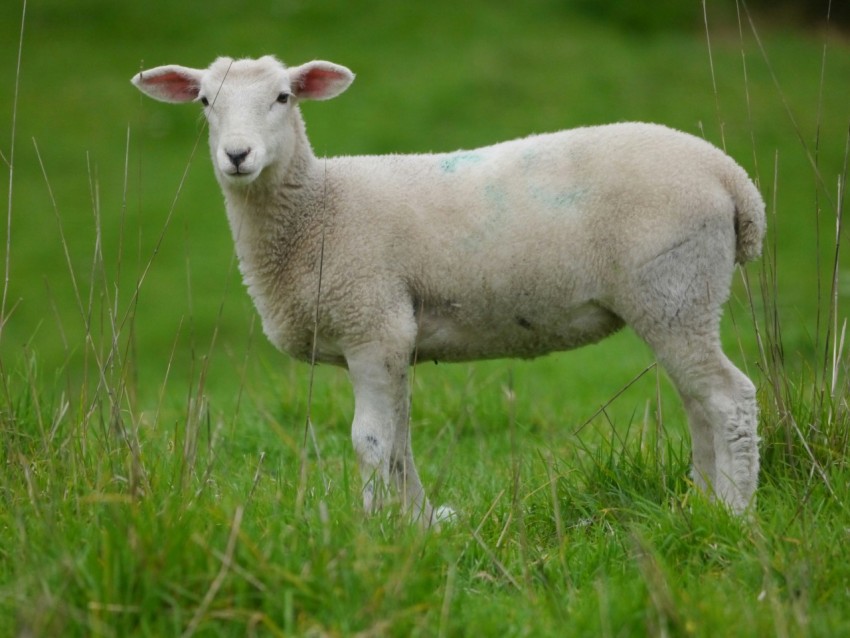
732,404
702,444
723,415
673,301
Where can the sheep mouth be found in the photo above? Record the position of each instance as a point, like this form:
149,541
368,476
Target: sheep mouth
237,172
235,175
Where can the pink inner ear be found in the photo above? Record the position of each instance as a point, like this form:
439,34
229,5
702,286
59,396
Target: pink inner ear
176,85
316,81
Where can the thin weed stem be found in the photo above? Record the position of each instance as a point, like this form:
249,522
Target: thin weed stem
7,265
810,156
314,350
308,420
616,395
750,122
720,123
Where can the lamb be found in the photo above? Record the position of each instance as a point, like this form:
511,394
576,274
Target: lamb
518,249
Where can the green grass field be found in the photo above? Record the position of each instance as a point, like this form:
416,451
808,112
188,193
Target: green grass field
158,477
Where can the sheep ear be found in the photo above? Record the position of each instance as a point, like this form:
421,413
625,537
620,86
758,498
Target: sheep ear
171,83
319,80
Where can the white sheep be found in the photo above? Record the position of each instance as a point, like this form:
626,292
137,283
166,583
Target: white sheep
519,249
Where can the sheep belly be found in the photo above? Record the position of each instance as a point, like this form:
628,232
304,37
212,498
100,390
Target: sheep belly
444,337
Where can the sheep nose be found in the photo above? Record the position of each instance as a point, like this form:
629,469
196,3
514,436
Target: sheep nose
237,157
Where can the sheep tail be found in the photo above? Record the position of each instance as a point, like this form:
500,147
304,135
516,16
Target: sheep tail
749,216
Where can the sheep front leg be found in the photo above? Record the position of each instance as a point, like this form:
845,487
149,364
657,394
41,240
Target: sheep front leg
380,431
405,476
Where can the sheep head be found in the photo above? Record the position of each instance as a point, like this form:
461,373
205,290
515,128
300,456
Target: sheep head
249,106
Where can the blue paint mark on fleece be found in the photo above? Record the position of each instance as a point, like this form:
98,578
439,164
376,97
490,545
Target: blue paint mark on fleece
556,199
497,216
453,162
497,198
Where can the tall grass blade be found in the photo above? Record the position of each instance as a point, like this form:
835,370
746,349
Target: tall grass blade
7,263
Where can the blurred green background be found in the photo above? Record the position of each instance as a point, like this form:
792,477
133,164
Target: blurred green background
433,76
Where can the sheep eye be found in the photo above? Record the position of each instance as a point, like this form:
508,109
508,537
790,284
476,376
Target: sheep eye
283,98
205,101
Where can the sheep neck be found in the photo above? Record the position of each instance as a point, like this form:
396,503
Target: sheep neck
273,218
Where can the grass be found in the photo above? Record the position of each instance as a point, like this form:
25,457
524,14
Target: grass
157,478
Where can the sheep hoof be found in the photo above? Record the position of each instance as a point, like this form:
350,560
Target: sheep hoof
443,515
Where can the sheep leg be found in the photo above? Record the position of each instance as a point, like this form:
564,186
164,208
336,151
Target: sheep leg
731,405
673,301
378,404
380,431
723,415
702,444
406,478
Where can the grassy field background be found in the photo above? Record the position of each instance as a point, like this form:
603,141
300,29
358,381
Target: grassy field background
157,479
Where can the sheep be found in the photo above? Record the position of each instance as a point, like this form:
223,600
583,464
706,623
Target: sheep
519,249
